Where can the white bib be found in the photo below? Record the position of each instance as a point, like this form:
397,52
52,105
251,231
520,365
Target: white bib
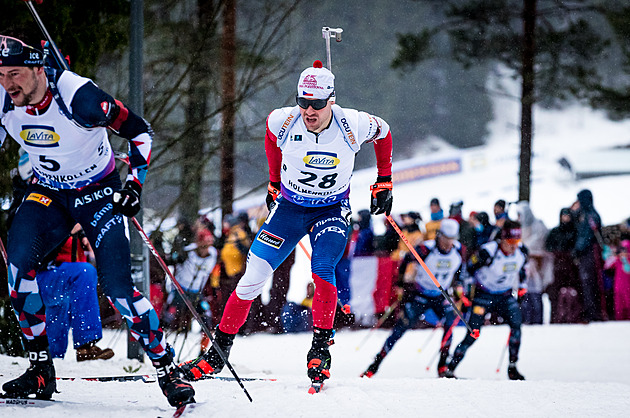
193,274
63,155
317,168
443,267
502,274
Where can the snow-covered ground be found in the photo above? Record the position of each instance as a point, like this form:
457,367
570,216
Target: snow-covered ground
571,370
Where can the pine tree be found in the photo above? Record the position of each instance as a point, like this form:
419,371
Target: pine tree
557,50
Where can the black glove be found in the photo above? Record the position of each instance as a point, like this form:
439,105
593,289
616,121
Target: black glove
381,196
127,200
273,191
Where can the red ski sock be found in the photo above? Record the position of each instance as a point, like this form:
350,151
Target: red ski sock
234,314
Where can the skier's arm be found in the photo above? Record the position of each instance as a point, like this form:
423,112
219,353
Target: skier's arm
522,274
274,159
3,135
3,132
92,106
383,150
409,265
457,276
374,129
381,201
477,261
274,156
402,269
406,285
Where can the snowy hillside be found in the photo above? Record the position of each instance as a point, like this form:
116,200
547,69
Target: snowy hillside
571,370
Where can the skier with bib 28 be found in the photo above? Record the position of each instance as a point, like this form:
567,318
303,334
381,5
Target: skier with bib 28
310,150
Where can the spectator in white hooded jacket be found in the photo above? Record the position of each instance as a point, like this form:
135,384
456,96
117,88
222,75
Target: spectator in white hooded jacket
540,265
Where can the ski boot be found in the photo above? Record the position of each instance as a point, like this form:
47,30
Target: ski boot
318,359
513,374
210,362
373,368
177,392
442,369
449,371
39,379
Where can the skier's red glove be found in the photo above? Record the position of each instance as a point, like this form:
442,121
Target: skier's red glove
273,191
521,294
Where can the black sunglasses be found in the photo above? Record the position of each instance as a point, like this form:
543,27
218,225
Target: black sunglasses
317,104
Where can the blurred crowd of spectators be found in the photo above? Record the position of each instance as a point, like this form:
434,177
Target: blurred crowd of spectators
582,266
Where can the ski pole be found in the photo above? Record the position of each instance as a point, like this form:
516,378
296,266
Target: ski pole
56,52
181,350
125,158
505,347
432,360
380,322
186,300
4,255
308,255
430,337
444,340
473,333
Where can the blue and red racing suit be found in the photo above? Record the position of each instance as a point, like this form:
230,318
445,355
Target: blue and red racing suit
74,179
315,171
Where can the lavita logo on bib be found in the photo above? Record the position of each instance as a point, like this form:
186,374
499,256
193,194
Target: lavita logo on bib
40,136
321,160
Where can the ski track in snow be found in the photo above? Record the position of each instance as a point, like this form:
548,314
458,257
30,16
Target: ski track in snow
571,370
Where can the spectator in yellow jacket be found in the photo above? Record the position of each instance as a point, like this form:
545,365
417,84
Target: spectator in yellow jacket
436,219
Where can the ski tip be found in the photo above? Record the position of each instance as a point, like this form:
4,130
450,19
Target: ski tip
315,388
179,411
7,400
185,408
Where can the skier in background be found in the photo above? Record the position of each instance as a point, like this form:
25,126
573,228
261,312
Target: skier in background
419,293
497,268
